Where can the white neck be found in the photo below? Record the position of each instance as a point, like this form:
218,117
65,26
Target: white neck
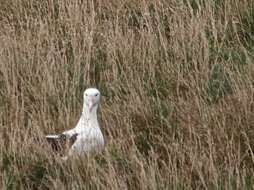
90,115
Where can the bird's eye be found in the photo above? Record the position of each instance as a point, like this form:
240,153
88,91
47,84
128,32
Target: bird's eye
85,94
97,94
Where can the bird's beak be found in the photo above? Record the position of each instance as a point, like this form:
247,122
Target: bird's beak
90,104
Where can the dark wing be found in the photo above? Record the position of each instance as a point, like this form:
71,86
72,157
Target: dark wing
58,142
73,139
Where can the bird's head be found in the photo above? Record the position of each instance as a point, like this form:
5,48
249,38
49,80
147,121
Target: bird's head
91,98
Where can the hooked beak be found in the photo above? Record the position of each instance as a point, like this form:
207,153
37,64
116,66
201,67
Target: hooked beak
90,104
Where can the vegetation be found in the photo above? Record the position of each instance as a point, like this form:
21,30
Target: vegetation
176,79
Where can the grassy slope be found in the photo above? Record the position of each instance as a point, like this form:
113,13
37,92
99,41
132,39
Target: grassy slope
177,85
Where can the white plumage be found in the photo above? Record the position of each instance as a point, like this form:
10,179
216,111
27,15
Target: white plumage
88,134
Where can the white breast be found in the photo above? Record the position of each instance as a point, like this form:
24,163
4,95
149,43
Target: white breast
89,137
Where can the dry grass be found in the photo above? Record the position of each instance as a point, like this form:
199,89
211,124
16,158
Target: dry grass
177,83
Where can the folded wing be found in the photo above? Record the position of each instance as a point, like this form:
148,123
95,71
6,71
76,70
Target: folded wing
60,142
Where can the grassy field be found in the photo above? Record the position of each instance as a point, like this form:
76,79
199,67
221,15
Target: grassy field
177,85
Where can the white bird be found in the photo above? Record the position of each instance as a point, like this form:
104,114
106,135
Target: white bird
87,133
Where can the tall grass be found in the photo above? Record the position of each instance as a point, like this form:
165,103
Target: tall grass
176,79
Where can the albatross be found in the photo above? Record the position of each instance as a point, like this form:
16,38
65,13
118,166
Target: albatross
86,136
